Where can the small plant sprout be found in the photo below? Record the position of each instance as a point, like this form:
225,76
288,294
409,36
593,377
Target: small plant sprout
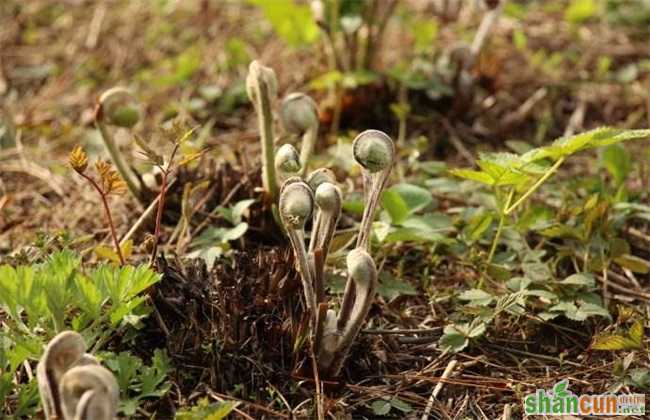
375,152
118,107
332,334
299,116
287,161
72,384
89,392
261,86
337,337
296,206
319,176
109,183
329,201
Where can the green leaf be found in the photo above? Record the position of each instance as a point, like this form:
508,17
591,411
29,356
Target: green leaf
395,205
633,263
636,333
402,406
416,198
580,11
590,309
478,225
614,342
453,341
477,297
391,287
472,175
293,22
618,162
580,279
477,330
598,137
89,297
208,254
380,407
206,411
537,271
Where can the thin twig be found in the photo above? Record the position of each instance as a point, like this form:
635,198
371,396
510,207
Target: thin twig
434,395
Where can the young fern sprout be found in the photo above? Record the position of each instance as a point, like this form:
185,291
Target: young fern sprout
319,176
71,383
287,161
332,334
261,86
375,152
299,115
118,107
296,206
89,392
339,335
328,201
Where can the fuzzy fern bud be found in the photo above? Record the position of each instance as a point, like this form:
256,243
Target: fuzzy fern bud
287,159
317,177
361,266
299,113
118,107
328,197
296,204
257,75
373,150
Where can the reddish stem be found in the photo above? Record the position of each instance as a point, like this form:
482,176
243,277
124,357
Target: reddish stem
107,209
161,204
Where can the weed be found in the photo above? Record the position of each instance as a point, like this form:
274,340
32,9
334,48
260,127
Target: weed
109,183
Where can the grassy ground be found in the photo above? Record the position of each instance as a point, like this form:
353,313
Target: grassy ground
231,330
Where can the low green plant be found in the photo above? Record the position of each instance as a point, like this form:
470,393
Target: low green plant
109,183
177,135
513,178
43,299
57,293
204,410
136,380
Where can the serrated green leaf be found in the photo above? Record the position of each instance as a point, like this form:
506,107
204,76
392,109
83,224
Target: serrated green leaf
580,279
598,137
636,332
477,297
473,175
613,342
